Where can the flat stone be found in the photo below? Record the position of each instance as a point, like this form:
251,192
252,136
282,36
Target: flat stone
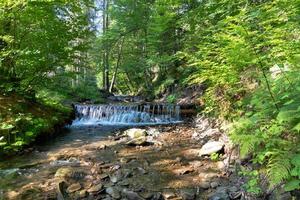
211,147
113,192
96,188
74,187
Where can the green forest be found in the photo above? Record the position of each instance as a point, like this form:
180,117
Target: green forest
245,54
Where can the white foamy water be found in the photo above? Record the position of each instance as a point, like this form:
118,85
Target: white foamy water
126,114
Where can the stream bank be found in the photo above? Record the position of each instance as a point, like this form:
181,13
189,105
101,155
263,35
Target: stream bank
25,122
98,162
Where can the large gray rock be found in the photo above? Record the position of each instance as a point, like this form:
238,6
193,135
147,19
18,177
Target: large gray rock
211,147
134,133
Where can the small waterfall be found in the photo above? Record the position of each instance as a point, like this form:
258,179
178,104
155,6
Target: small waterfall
126,114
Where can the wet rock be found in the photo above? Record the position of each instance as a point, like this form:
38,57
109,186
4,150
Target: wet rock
96,188
135,133
220,194
188,194
113,192
64,172
130,195
211,147
74,187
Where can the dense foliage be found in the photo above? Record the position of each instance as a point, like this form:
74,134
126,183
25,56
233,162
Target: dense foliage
44,57
246,53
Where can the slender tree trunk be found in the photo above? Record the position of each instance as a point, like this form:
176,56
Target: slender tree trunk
105,61
106,51
117,67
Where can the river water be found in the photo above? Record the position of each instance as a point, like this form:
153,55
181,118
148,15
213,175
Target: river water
94,123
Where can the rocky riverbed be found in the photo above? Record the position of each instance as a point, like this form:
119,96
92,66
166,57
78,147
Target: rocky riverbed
186,161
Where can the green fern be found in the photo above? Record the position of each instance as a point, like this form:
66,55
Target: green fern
278,167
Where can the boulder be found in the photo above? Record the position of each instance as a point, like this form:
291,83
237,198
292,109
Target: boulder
211,147
134,133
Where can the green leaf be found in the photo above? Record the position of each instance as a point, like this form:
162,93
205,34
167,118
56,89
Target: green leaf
292,185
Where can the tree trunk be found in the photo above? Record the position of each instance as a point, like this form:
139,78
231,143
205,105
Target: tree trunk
105,24
117,67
